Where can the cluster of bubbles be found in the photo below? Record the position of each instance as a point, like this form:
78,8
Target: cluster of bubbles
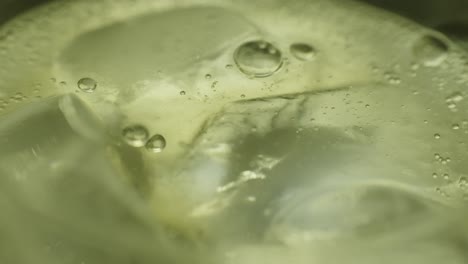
16,98
453,99
138,136
134,135
441,159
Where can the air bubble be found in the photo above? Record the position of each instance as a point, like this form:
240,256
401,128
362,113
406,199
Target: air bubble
452,106
303,51
251,199
446,177
87,85
258,59
135,135
454,98
392,78
463,182
156,144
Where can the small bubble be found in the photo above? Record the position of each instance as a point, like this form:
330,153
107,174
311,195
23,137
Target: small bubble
229,66
430,50
87,85
272,50
446,177
394,80
437,136
258,59
156,144
53,80
262,44
182,92
208,76
455,97
455,126
62,83
251,199
367,105
435,176
303,51
452,106
391,78
414,66
437,156
463,182
135,135
18,95
426,122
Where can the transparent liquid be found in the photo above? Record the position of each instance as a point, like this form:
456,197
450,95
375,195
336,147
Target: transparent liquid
230,132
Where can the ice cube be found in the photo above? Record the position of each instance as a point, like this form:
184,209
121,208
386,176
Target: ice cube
48,135
317,166
63,199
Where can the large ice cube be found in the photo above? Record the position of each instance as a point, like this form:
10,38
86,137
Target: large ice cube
312,168
47,135
63,198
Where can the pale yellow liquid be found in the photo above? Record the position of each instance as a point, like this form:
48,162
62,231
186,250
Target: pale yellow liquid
355,154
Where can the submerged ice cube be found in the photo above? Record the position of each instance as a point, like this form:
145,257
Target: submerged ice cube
47,135
65,198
